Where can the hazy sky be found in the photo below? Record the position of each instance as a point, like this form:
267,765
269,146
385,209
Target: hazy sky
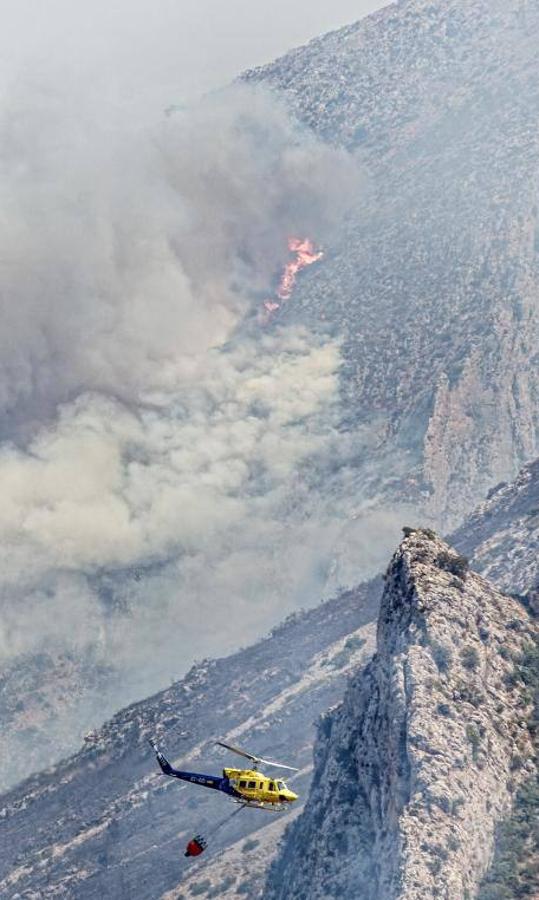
160,50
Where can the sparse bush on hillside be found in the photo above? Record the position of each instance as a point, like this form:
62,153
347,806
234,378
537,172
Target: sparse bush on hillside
470,658
250,844
426,532
201,887
514,872
452,562
473,736
442,656
469,693
354,642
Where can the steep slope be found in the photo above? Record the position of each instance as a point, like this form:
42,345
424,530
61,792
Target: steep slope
416,767
502,535
434,286
104,820
106,823
43,697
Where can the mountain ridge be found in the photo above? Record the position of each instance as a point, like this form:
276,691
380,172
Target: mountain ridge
427,733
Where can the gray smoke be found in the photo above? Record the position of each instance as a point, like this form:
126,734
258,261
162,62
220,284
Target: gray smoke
127,253
156,466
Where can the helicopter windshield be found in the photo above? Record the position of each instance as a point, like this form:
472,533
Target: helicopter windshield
282,786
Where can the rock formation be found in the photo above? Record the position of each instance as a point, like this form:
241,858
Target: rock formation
423,757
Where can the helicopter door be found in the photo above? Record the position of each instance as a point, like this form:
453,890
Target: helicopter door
247,786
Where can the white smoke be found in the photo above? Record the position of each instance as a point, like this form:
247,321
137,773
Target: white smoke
171,485
132,434
126,251
107,487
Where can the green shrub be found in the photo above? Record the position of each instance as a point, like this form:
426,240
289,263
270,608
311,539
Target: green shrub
201,887
470,658
354,642
514,872
250,844
442,656
473,736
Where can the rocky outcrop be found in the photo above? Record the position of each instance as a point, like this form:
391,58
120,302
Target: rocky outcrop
419,763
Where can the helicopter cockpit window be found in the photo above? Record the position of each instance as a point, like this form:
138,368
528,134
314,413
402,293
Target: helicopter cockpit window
272,786
252,784
281,785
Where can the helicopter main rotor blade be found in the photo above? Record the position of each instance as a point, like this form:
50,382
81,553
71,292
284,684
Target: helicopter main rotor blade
255,759
237,750
268,762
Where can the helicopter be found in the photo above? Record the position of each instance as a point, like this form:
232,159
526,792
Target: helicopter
248,787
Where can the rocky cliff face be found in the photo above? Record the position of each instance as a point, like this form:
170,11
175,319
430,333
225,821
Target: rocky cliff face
433,287
104,823
419,763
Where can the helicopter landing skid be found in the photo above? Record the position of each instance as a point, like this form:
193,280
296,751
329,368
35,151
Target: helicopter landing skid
249,804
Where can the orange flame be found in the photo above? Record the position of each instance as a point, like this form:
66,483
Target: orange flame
305,255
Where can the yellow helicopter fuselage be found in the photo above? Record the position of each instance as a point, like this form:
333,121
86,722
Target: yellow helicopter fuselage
258,788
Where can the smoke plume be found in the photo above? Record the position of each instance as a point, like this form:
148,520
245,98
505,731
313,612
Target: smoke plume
170,485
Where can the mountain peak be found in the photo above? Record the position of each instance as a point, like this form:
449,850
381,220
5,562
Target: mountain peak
420,762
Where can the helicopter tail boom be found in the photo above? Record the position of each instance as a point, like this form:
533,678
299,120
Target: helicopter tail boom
211,781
